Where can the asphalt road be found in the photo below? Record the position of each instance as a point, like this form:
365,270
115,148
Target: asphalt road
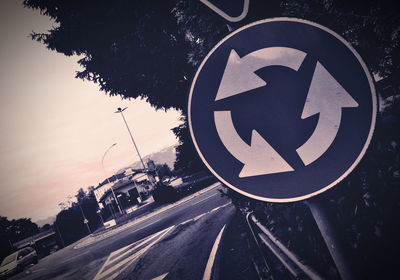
178,243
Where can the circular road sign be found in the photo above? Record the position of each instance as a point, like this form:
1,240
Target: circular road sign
282,109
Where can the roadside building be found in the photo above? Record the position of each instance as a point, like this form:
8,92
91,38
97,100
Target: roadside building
129,190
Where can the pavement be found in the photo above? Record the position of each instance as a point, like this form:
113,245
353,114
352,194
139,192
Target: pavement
177,241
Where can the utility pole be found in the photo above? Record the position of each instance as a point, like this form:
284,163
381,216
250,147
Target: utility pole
85,221
59,233
101,217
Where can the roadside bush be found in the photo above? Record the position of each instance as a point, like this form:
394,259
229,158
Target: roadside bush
164,194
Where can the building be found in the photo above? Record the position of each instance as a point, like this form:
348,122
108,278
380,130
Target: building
130,189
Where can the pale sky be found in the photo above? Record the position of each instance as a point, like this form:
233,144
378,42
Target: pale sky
55,128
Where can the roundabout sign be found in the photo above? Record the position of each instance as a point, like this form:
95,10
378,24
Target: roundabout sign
282,109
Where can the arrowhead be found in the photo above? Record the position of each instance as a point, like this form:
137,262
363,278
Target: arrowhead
238,77
262,159
325,94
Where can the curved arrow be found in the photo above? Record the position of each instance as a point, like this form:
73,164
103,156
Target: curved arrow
325,97
239,73
259,158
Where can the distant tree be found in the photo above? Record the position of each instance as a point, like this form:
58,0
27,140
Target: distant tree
163,170
186,157
151,49
14,231
80,196
45,227
70,220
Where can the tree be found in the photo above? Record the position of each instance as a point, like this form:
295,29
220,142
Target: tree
186,158
150,49
45,227
70,220
163,170
14,231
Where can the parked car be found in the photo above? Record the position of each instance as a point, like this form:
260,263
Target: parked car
17,261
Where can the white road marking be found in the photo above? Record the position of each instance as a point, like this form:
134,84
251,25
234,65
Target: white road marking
204,199
206,213
93,239
127,252
161,277
210,262
115,270
73,257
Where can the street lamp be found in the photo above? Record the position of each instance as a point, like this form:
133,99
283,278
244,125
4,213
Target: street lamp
108,180
119,110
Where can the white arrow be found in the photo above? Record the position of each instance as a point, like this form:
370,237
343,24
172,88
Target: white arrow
259,158
325,97
239,73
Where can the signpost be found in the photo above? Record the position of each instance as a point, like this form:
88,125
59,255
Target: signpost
282,110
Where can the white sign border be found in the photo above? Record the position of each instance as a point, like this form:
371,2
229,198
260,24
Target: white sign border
367,142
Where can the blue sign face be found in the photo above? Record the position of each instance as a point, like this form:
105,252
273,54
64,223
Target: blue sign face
282,109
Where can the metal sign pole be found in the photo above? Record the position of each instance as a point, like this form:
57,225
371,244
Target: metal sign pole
330,232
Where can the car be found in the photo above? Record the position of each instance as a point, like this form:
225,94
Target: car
17,261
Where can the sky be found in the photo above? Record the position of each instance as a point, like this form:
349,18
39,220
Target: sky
55,128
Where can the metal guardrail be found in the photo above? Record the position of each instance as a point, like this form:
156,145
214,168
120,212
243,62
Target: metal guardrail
289,259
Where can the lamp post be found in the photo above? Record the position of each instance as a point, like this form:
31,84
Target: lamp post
119,110
108,180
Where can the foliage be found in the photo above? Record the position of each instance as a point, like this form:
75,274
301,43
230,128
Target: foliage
70,221
186,157
372,27
163,170
13,231
164,193
150,49
127,47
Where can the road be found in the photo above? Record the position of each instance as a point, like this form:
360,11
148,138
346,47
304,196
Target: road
178,243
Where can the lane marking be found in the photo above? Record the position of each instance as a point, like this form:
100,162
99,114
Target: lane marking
112,266
116,256
206,213
93,239
205,199
116,269
161,277
73,257
211,259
